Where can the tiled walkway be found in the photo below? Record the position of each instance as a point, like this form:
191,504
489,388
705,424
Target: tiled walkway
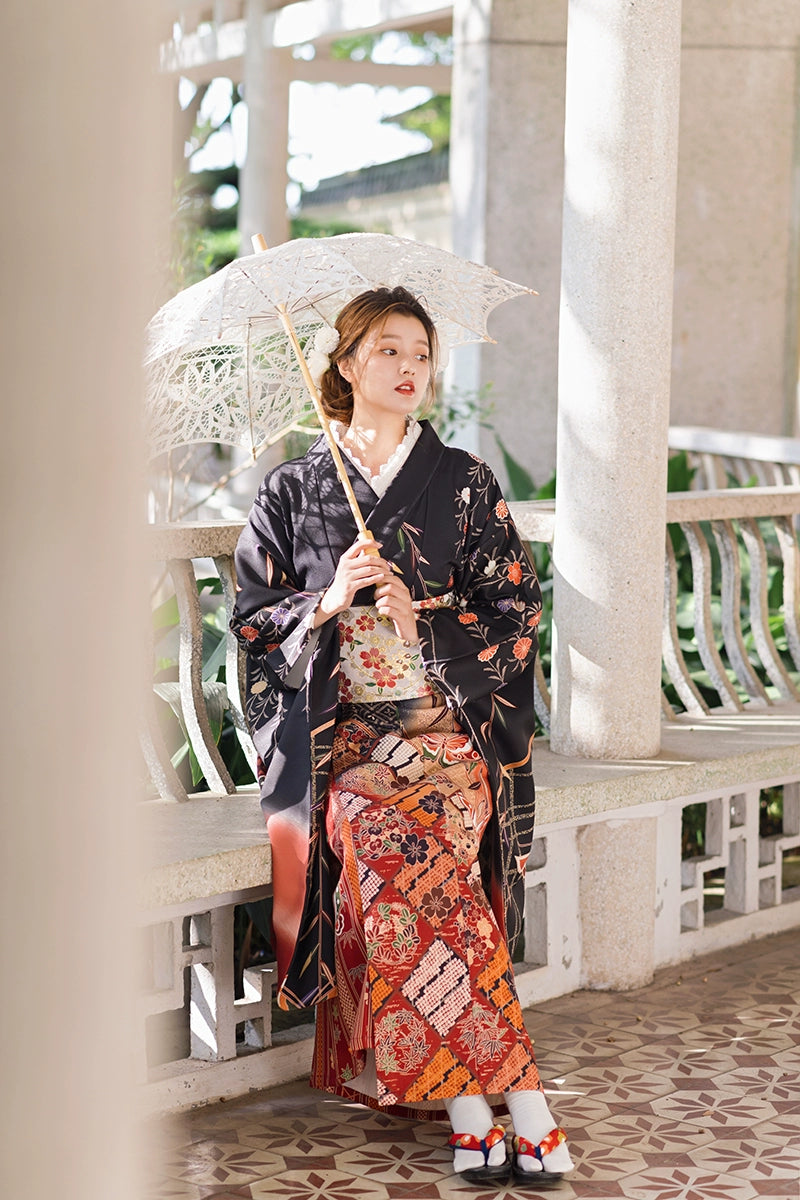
688,1089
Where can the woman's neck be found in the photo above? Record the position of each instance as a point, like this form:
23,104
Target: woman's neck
372,442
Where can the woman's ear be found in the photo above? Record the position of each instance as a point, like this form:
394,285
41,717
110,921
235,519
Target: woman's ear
345,368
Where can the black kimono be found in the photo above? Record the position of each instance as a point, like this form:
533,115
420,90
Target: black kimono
444,523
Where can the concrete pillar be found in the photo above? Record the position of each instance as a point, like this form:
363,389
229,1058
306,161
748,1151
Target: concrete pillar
623,71
737,253
616,889
506,172
79,249
263,178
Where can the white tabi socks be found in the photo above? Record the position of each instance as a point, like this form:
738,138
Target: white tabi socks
533,1121
472,1114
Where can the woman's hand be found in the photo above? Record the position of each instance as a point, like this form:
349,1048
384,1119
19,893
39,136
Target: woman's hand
393,600
360,566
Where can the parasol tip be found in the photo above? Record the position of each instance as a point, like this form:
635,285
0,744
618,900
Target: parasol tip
259,242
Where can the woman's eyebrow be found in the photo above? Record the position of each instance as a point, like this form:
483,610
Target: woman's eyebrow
395,337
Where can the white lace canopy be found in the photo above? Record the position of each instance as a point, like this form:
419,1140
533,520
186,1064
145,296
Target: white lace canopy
219,365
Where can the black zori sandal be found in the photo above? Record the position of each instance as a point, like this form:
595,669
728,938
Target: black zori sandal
536,1179
484,1174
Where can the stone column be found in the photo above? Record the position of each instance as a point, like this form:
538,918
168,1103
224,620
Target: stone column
737,254
623,72
263,178
506,171
616,891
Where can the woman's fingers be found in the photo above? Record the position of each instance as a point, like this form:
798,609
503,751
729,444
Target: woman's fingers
367,546
392,598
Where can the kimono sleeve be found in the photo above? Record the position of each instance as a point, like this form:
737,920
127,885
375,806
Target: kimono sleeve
273,617
488,636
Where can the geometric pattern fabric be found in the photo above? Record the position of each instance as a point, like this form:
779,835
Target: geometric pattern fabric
422,971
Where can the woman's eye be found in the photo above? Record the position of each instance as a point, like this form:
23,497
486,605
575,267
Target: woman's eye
389,350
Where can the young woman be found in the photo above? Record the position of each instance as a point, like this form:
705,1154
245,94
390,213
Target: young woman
390,697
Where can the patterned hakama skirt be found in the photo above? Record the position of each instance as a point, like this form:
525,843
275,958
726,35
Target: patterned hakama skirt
423,975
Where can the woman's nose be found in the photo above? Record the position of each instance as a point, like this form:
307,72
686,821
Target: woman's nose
408,367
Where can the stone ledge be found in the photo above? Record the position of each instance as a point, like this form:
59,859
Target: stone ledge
207,846
696,756
213,844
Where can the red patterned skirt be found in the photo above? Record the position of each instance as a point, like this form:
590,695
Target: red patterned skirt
423,973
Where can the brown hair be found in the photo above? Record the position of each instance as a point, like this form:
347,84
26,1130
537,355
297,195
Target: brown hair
358,317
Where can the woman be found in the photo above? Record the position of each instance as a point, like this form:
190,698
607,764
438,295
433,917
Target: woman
390,697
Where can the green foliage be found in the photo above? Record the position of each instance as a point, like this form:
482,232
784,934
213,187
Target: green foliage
680,476
199,246
308,227
203,238
218,248
358,48
457,408
432,117
520,483
361,47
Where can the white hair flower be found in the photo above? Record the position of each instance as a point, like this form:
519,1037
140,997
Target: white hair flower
326,339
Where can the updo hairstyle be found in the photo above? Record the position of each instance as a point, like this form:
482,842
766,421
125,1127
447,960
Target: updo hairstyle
357,319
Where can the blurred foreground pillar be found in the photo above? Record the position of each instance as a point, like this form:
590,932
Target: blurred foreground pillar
82,232
623,74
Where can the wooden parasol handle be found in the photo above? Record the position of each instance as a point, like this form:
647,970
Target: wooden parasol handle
259,244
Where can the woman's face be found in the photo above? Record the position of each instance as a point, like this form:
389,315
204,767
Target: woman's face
390,372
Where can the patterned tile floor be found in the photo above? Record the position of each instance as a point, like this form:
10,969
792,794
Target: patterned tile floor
684,1090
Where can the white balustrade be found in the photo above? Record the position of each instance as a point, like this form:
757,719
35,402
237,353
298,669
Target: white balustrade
742,885
718,454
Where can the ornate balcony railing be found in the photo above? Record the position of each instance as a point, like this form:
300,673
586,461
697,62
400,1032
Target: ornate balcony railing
737,543
723,764
720,455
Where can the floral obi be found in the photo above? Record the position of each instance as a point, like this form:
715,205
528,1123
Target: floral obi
374,663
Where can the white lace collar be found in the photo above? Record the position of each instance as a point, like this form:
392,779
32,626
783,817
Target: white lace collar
388,472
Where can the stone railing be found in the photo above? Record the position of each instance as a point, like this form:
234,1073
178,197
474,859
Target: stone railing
745,457
209,855
737,538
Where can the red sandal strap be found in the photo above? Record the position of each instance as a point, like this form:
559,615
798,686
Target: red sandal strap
468,1141
554,1138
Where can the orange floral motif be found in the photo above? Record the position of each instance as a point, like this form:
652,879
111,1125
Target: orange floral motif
249,632
535,619
488,653
467,618
521,647
451,748
501,510
515,572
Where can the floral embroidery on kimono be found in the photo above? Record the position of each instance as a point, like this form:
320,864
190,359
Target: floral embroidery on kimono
444,524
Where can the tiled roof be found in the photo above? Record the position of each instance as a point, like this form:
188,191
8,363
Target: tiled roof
403,175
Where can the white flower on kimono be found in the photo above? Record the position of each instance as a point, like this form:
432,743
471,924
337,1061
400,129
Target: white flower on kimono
465,495
490,567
